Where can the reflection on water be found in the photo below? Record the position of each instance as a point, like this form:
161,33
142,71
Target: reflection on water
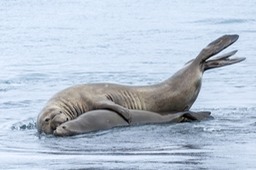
49,45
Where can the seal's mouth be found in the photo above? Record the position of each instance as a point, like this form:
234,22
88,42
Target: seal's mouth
39,128
57,132
56,122
53,126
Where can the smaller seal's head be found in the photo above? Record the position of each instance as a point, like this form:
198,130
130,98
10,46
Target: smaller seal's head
62,130
49,119
70,128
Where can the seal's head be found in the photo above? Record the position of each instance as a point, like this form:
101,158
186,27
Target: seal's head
50,118
63,130
73,127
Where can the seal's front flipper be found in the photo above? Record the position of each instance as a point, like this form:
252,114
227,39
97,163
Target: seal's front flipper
197,116
122,111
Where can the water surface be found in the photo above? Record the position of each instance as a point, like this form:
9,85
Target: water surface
49,45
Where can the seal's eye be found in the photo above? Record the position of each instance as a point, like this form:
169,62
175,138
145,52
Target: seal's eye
47,119
63,127
60,111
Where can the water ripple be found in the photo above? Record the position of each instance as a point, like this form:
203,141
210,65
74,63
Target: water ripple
223,21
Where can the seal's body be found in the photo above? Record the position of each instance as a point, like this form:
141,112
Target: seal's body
105,119
176,94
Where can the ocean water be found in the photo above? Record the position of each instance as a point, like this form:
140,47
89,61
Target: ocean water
47,45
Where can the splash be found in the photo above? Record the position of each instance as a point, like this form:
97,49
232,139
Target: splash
28,124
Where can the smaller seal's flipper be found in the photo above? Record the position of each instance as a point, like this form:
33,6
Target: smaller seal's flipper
186,116
216,46
122,111
190,116
222,60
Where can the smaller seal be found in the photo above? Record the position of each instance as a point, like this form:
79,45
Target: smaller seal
106,119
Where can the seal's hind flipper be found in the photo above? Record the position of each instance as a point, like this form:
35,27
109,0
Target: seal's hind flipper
224,61
225,55
216,46
196,116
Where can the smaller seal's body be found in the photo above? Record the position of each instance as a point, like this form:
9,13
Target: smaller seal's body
176,94
105,119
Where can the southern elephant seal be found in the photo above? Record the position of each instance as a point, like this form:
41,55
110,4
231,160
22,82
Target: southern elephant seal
106,119
176,94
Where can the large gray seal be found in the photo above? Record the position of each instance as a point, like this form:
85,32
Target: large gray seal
106,119
176,94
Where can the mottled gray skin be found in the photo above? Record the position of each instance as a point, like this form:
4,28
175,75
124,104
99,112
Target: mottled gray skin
175,94
105,119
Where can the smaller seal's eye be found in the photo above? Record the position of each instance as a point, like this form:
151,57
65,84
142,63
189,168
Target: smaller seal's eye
60,111
63,127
